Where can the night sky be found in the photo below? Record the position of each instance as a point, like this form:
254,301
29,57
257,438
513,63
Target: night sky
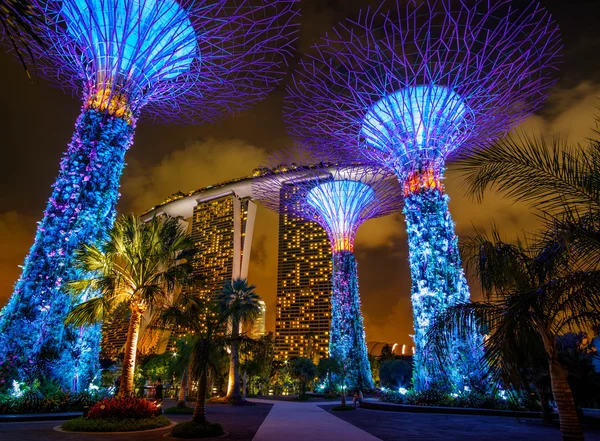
36,123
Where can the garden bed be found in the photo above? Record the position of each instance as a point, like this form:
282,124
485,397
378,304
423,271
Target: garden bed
179,410
115,425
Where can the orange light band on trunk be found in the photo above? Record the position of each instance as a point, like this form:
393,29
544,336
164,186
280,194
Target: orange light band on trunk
423,181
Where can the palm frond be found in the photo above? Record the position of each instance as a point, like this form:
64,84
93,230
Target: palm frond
137,262
498,265
95,310
547,175
576,236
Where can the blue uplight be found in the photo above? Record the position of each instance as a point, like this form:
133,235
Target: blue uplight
415,118
339,204
126,38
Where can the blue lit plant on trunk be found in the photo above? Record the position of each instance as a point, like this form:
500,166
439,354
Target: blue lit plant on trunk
173,60
408,89
339,198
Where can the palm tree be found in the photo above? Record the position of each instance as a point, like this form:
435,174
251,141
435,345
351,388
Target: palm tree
559,179
138,264
533,295
206,349
182,315
240,303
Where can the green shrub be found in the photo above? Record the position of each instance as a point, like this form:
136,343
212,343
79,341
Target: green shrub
432,397
48,398
179,410
123,408
31,400
6,404
343,408
81,400
303,397
189,429
82,424
435,397
395,372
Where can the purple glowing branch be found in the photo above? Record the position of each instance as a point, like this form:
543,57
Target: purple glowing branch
339,197
430,80
179,60
409,89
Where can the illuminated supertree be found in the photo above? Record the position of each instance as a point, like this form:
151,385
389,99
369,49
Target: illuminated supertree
339,198
172,60
410,88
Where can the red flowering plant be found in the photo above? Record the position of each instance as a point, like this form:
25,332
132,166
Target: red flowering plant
123,408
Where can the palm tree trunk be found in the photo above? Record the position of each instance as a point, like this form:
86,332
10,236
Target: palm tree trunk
133,334
233,388
183,388
199,416
570,427
244,384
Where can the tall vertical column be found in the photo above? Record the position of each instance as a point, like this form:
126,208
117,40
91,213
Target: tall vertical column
438,281
347,342
81,208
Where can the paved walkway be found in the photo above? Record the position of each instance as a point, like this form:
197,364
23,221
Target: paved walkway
289,421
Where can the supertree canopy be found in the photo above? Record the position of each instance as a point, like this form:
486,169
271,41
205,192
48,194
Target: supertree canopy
339,197
169,60
409,89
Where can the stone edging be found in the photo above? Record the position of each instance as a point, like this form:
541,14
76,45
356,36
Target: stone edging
170,426
166,435
32,417
447,410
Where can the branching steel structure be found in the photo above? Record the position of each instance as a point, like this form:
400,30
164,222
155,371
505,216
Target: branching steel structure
340,198
167,60
409,89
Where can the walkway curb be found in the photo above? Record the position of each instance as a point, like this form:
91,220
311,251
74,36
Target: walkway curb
391,407
25,417
170,426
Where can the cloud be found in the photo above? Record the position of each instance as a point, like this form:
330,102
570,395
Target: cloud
16,233
199,164
203,163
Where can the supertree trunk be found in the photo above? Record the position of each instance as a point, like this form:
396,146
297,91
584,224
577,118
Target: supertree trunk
347,342
438,281
81,207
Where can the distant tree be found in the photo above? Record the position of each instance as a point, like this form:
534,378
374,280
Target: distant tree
375,364
386,353
327,369
577,356
595,347
238,300
395,373
206,351
304,370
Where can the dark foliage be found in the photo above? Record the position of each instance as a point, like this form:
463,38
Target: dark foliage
115,424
